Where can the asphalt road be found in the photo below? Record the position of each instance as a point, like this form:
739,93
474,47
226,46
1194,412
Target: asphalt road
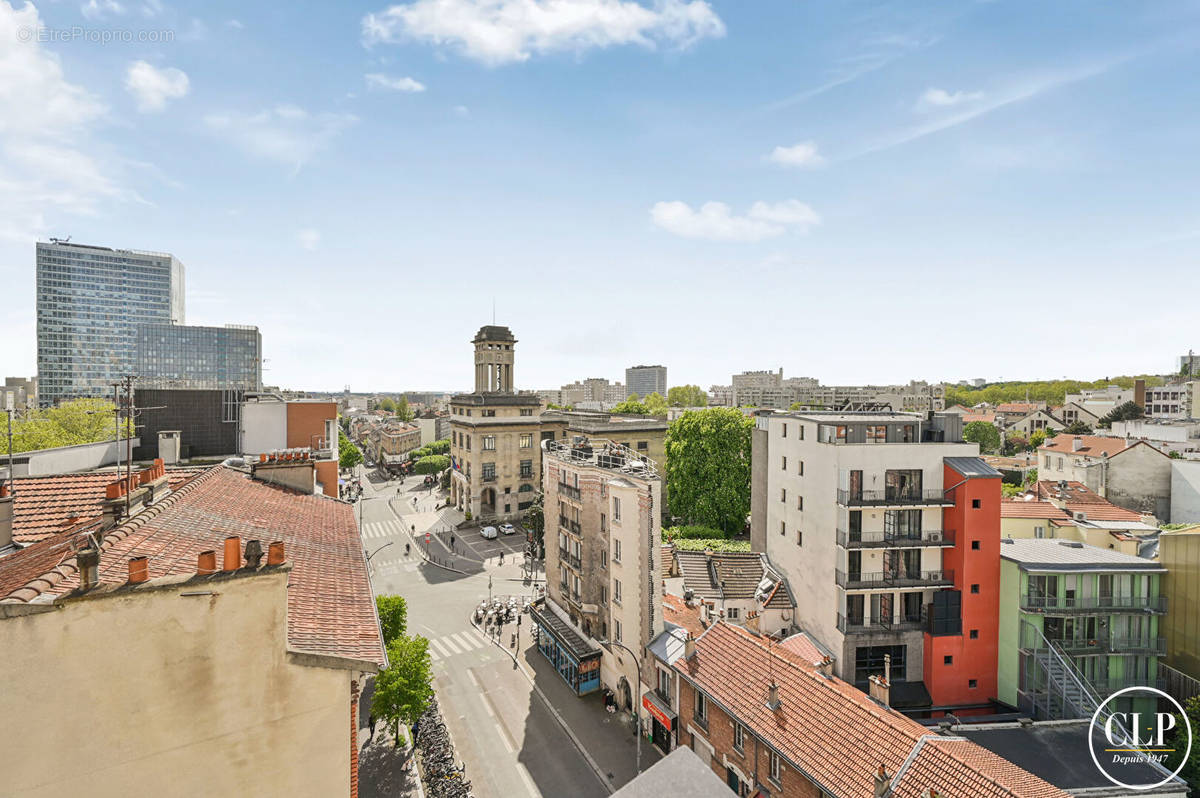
504,732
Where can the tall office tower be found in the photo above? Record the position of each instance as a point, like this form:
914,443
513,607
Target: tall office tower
90,301
198,358
645,380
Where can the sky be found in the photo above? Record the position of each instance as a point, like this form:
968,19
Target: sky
853,191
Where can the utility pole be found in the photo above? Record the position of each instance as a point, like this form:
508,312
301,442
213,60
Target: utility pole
127,409
9,410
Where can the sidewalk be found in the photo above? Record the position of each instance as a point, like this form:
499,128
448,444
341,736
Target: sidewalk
606,739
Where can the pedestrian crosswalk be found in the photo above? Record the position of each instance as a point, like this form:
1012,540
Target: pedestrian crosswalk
458,643
381,529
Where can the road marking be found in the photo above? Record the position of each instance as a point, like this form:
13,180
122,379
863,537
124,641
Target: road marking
463,640
440,647
448,643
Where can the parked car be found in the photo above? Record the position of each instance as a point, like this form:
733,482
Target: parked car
488,533
508,529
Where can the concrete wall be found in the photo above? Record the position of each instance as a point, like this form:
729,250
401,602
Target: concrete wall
1008,661
264,427
66,459
758,485
1139,479
1179,553
306,424
1185,491
152,692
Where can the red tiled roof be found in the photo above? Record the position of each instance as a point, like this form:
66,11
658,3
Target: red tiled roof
330,607
1093,445
835,734
43,506
1078,498
677,612
989,417
802,645
1019,407
1016,508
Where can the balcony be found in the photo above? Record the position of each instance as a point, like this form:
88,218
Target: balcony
569,558
934,497
569,525
570,491
895,540
865,625
1104,646
869,581
1105,687
1095,605
1154,646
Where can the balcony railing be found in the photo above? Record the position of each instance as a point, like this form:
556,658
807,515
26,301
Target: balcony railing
866,625
1105,687
570,491
894,540
901,578
569,525
1094,604
893,498
1138,645
568,558
1083,647
489,478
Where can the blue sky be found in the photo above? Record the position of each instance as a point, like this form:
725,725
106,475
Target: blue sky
852,191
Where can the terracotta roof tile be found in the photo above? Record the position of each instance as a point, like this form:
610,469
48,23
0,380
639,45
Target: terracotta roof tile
677,612
1092,445
330,607
834,733
43,506
1019,407
1016,508
1079,498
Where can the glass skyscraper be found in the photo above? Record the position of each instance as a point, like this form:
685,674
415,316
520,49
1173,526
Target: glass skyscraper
90,301
196,358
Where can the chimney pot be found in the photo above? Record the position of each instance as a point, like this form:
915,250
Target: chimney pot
88,563
206,563
883,782
3,491
233,553
139,570
689,646
275,553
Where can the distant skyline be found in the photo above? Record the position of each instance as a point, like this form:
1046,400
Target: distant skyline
855,191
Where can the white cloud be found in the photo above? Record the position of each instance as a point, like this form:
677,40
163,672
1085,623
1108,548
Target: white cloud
462,112
715,221
153,87
98,9
152,8
503,31
47,166
285,133
376,80
234,23
940,98
309,239
802,154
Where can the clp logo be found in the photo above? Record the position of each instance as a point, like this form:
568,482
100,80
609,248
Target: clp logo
1129,742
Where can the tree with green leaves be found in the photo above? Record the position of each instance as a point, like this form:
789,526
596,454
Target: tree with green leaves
393,617
439,447
402,410
632,406
1179,741
404,689
432,464
1077,428
1037,439
708,468
687,396
387,405
1014,442
535,521
983,433
68,424
348,454
1124,412
656,404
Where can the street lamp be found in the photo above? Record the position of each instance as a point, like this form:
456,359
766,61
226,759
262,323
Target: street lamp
637,715
381,548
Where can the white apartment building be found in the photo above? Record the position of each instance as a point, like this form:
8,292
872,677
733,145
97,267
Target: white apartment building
1099,401
1180,400
603,564
849,507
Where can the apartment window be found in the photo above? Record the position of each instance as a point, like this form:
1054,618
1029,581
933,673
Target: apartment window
783,527
972,683
489,413
604,558
974,588
617,590
773,767
604,595
876,434
526,469
733,613
616,551
526,411
799,502
1039,531
783,494
976,504
800,469
603,520
974,545
527,440
616,511
947,660
1060,464
468,443
784,460
643,446
739,732
489,443
784,435
701,713
799,538
800,431
489,470
974,634
664,685
616,628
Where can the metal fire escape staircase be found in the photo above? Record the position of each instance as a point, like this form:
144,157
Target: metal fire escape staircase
1054,687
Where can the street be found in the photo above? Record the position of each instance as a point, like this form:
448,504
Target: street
505,732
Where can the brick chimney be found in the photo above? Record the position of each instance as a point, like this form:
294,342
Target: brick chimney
883,782
1076,444
880,690
689,646
88,563
1139,393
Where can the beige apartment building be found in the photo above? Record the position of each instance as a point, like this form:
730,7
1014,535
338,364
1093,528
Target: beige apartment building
392,441
603,566
496,434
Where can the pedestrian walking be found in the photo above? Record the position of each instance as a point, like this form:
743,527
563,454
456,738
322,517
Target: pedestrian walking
452,541
502,558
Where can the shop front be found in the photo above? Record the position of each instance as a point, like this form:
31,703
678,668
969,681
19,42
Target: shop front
662,722
571,654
